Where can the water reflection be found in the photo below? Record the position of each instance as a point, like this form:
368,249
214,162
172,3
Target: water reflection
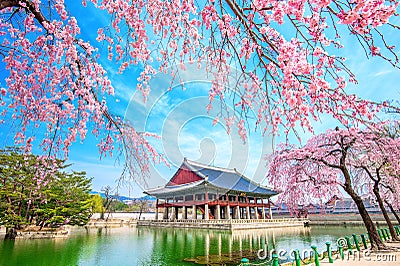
40,252
202,245
157,246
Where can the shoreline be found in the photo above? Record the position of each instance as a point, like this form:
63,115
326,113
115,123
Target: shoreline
348,219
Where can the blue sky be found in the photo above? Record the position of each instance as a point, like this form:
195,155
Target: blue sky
182,122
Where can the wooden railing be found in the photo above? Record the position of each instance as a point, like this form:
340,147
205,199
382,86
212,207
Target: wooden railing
233,221
211,203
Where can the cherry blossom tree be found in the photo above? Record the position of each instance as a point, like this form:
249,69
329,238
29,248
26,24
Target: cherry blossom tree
56,84
390,188
391,196
391,199
349,159
283,49
378,156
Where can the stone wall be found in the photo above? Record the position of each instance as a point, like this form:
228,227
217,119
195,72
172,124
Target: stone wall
41,234
225,224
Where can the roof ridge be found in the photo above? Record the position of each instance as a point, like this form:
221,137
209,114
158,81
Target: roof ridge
188,165
193,163
185,184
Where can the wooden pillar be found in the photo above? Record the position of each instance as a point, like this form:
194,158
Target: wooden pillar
172,213
236,209
184,213
255,213
263,209
247,208
194,212
269,209
248,212
217,212
206,210
228,212
165,215
156,210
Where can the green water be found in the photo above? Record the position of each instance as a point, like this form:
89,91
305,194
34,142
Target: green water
152,246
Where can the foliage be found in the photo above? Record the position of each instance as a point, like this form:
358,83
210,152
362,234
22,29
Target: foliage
110,203
97,204
68,201
118,206
37,191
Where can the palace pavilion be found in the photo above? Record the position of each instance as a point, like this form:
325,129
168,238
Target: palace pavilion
214,192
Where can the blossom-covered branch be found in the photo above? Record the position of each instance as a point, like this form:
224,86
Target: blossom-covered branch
56,82
282,49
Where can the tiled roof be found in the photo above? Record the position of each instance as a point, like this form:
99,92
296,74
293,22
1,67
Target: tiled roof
222,178
229,179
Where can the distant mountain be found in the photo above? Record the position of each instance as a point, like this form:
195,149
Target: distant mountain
122,198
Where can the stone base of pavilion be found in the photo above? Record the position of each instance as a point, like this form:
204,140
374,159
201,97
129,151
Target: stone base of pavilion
224,224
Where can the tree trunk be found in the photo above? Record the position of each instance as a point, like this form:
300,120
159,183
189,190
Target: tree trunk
27,212
41,225
28,206
384,212
376,242
11,234
21,201
140,212
393,211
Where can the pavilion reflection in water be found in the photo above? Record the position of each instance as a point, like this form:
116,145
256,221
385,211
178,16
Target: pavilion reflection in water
221,245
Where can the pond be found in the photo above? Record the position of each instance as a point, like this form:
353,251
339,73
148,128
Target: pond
156,246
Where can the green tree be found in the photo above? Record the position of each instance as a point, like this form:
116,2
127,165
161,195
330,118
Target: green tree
97,204
118,206
69,201
38,191
19,186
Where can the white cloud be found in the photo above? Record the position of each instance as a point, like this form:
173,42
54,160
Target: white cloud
383,72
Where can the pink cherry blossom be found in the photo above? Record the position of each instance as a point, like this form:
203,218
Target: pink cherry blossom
281,49
334,161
